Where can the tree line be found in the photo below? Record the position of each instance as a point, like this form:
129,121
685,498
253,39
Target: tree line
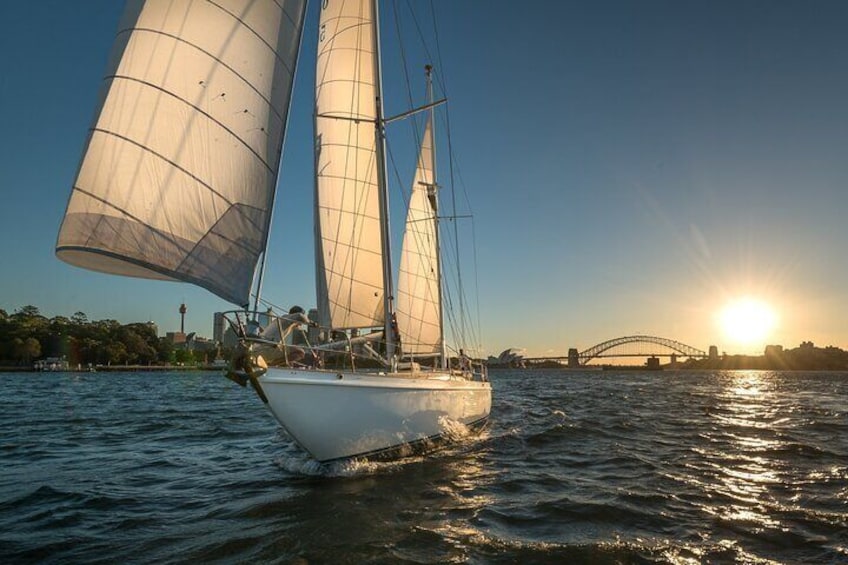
27,336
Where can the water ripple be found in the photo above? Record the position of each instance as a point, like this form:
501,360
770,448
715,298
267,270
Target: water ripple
745,467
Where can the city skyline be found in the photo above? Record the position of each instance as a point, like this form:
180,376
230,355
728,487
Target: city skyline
632,169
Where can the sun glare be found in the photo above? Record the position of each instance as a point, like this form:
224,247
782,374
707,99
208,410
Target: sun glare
748,321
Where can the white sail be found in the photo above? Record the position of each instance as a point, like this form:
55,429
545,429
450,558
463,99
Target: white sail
178,175
348,246
418,280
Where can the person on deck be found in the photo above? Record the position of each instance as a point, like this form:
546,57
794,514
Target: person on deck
464,361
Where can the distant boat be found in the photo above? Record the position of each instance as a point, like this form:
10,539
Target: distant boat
178,182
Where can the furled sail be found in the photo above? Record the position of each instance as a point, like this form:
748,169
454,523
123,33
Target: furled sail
418,296
178,175
348,246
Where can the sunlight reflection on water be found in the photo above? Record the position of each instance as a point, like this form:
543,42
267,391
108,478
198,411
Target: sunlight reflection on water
742,467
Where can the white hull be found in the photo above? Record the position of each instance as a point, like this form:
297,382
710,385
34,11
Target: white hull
336,415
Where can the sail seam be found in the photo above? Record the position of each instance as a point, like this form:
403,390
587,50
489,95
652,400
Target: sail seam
359,22
285,13
176,166
354,213
164,235
372,323
211,230
253,31
127,214
199,111
214,58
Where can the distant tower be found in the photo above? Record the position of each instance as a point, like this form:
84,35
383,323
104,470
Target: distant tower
182,318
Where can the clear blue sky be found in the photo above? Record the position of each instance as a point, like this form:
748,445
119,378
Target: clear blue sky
632,167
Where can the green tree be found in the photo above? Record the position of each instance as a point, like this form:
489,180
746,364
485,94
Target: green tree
28,311
24,350
115,353
165,350
184,356
32,349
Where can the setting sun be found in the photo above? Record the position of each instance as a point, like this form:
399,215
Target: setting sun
747,321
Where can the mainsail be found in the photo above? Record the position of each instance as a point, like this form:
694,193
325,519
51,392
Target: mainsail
417,305
348,245
178,175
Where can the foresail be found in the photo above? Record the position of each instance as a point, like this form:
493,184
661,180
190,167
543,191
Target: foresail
350,284
178,175
417,302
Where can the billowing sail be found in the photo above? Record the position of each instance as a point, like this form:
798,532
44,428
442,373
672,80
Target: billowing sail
178,175
418,297
348,246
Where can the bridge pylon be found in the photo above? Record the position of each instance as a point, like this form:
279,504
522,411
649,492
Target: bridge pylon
573,358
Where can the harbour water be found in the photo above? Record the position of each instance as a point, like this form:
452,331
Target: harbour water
574,467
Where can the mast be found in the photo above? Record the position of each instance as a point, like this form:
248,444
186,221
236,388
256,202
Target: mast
385,236
431,192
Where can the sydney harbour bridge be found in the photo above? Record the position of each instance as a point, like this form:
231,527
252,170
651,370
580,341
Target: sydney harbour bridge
644,346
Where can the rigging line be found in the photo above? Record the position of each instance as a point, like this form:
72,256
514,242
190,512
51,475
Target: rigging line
456,178
462,184
479,335
451,163
298,26
404,63
422,260
416,137
419,237
407,81
442,81
420,33
454,167
454,210
424,238
415,233
467,330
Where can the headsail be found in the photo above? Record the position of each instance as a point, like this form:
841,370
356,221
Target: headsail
348,246
178,175
417,305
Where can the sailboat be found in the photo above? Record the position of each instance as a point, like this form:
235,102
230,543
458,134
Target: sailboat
178,182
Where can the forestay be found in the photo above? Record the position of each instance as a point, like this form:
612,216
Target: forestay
348,245
178,174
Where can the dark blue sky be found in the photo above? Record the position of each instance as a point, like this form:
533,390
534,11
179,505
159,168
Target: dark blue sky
632,166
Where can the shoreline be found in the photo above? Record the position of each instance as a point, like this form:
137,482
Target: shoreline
116,368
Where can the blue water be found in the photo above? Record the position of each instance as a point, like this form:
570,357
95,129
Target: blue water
577,467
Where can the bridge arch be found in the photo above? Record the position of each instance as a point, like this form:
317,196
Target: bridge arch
681,348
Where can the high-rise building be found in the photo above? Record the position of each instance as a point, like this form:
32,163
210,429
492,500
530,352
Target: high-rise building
219,327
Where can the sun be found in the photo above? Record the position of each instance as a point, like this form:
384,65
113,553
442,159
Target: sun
748,321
